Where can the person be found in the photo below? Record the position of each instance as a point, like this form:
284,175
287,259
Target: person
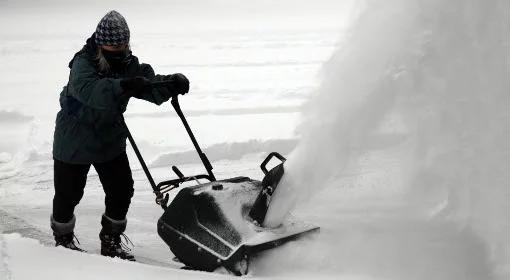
90,130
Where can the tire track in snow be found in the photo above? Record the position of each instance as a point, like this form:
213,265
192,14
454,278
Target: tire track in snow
13,224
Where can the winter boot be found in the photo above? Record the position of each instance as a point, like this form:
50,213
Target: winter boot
64,234
111,242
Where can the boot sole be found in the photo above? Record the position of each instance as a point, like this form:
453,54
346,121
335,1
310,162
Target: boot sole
115,256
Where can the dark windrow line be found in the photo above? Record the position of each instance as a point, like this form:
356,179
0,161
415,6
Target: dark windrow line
227,151
14,117
246,64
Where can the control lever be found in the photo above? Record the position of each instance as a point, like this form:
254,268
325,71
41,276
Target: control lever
177,172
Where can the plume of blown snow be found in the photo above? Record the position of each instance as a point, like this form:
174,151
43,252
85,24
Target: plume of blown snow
425,84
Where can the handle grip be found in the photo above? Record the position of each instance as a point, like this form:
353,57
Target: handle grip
177,172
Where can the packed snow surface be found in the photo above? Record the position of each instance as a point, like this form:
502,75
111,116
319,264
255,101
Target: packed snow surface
393,114
27,259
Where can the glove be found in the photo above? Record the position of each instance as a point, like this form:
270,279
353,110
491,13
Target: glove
134,87
179,84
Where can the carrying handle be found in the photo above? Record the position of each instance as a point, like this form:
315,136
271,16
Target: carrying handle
263,165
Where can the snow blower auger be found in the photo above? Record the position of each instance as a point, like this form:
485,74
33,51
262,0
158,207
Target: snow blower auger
217,223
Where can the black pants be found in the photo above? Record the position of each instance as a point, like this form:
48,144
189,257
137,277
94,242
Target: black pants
70,180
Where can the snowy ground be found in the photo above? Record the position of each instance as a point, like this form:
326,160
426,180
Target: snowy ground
400,189
248,81
23,257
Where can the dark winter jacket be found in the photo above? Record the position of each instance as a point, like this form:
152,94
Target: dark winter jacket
89,127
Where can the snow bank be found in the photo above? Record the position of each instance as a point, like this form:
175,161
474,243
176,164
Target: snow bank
13,117
24,259
227,151
425,84
5,157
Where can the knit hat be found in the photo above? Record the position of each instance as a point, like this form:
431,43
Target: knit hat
112,30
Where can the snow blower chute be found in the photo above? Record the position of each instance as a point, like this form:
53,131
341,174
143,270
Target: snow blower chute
218,223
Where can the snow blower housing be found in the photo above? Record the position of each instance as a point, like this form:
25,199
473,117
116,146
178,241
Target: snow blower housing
218,223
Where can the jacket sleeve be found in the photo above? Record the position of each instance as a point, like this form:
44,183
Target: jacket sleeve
156,95
91,89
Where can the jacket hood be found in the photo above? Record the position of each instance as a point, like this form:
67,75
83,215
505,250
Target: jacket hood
90,45
90,48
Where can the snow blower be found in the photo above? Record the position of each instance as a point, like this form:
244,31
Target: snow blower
218,223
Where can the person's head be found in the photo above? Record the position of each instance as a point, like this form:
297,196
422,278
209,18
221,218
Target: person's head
112,40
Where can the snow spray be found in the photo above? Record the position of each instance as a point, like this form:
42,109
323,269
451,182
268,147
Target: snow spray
425,83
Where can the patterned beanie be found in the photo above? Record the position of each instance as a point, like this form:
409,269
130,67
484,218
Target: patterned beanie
112,30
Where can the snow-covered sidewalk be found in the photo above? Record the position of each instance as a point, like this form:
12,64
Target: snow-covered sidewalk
24,259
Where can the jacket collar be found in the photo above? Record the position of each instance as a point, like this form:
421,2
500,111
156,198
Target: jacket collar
90,48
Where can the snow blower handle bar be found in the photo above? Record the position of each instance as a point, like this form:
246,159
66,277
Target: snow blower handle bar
203,157
177,108
160,198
